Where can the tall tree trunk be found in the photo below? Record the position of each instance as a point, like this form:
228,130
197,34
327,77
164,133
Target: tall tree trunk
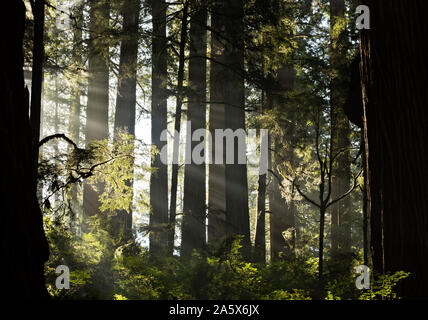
177,128
365,209
56,196
394,77
321,243
260,238
37,74
75,88
277,207
194,202
228,188
23,244
282,214
237,211
340,212
75,106
216,178
159,176
98,93
126,95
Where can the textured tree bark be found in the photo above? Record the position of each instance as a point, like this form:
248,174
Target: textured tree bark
237,211
353,106
340,212
194,202
217,178
394,76
98,93
23,244
159,176
126,95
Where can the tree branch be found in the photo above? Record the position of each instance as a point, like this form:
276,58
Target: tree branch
355,185
57,136
305,196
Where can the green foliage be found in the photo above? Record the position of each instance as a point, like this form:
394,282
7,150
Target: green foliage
116,170
295,294
101,270
341,282
278,34
383,286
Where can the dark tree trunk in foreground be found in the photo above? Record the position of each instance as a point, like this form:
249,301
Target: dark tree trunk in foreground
23,244
395,76
353,109
98,90
159,176
193,229
341,180
37,74
126,94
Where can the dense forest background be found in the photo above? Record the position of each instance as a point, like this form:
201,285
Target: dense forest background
90,86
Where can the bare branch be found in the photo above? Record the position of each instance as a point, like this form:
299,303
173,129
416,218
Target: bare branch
305,196
354,186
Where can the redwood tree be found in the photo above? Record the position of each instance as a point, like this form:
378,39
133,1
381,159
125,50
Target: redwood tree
159,175
216,178
193,230
98,89
228,187
126,92
340,130
23,244
394,77
237,212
